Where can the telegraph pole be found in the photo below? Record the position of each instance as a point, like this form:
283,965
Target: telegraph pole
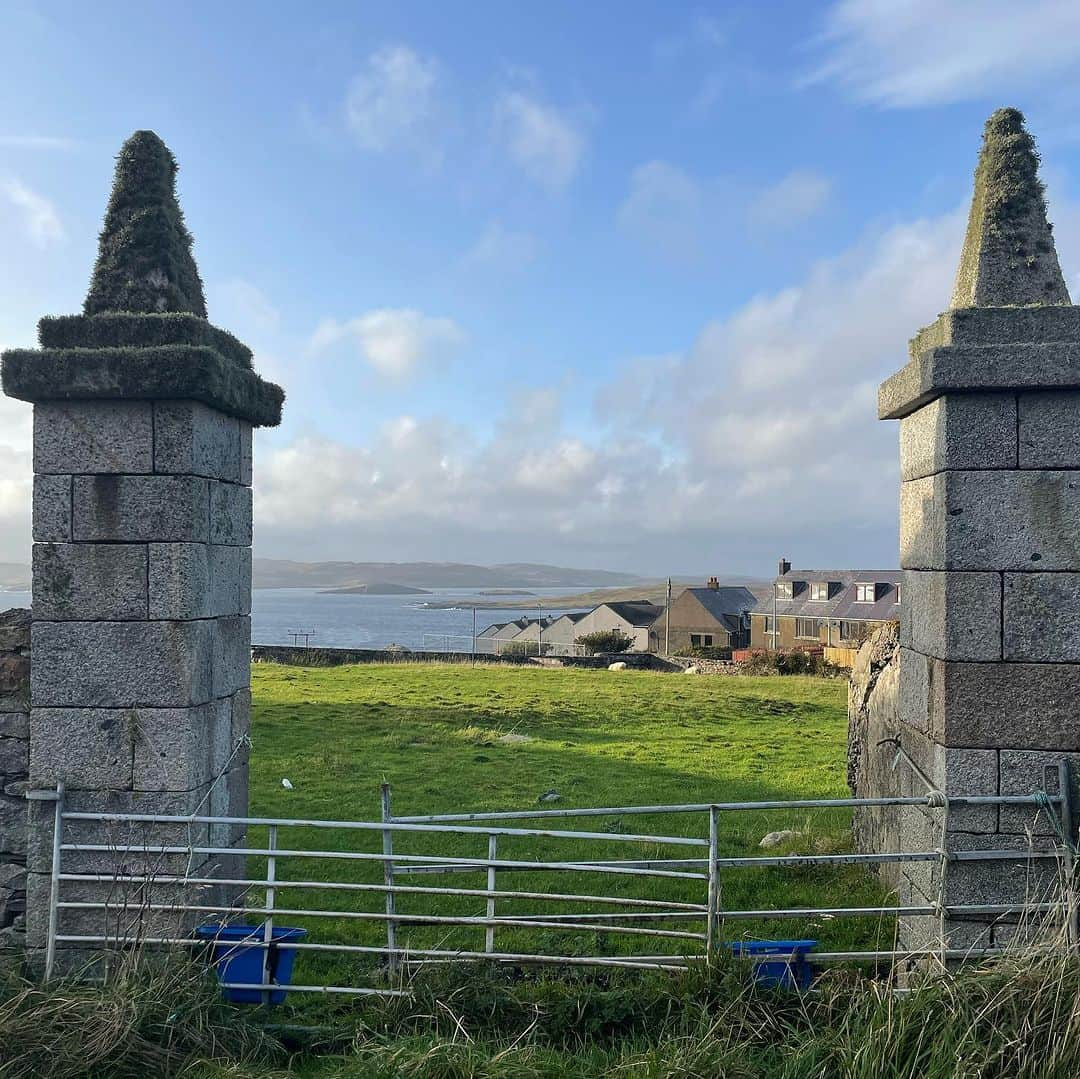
667,621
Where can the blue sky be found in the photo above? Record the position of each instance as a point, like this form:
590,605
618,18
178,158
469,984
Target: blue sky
607,284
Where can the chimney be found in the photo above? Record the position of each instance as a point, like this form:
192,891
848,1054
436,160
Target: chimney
713,584
784,567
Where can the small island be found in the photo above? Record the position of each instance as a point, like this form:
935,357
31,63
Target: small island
506,592
376,588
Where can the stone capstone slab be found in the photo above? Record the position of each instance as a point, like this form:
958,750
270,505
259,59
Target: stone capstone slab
86,748
1007,520
969,431
952,614
193,439
89,581
52,509
999,326
1042,617
956,368
123,329
230,514
140,509
122,664
161,373
1049,428
93,436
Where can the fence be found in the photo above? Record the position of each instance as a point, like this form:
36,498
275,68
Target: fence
677,909
463,643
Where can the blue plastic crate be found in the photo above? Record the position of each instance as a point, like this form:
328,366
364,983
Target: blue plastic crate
237,956
778,964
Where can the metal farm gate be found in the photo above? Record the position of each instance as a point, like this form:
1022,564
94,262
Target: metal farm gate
358,887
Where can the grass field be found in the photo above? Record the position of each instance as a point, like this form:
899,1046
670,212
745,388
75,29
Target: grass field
599,738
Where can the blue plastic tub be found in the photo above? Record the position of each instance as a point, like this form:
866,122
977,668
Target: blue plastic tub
237,955
779,964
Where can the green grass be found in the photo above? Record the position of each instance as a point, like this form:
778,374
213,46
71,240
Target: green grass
600,739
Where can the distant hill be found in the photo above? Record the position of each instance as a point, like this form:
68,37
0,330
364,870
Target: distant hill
14,576
652,591
376,588
281,573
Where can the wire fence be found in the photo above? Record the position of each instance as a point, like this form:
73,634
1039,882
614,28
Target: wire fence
357,887
465,644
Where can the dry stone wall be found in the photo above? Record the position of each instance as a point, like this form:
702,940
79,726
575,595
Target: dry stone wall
14,768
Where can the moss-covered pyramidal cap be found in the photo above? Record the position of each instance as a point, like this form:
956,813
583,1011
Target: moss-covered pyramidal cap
143,334
144,261
1009,258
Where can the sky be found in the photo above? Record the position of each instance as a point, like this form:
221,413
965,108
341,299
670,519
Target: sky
607,285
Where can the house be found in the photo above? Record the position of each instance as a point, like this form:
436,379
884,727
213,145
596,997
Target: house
709,617
491,640
536,629
562,633
633,618
815,608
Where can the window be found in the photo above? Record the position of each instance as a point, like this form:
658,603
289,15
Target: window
852,631
785,590
807,627
768,623
865,593
820,589
699,640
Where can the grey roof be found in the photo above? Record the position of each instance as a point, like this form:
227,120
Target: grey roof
636,612
843,604
725,604
573,616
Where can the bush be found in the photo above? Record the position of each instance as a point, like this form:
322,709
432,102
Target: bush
702,651
791,663
604,641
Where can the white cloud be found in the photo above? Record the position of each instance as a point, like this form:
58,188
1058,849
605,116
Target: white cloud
394,341
798,196
924,52
663,210
37,142
503,249
393,102
244,308
542,141
36,213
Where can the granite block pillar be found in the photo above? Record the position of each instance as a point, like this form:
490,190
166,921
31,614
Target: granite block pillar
989,411
139,694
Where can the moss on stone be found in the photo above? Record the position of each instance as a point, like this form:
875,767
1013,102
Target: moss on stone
144,258
163,373
1009,256
124,330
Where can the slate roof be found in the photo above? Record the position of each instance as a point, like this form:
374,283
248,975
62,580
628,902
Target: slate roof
842,605
726,604
635,612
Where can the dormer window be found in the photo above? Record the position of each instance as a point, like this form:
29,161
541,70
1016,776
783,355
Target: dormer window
785,589
821,590
865,592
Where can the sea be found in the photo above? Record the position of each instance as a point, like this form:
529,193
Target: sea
308,616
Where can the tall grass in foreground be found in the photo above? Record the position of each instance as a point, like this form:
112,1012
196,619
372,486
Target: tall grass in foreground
1016,1017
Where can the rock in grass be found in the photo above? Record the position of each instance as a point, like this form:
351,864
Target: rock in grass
775,839
550,796
619,666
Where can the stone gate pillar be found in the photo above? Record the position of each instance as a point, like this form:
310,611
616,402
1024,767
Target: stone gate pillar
989,411
143,414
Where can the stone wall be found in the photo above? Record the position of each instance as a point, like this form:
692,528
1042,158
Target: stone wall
14,769
873,717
